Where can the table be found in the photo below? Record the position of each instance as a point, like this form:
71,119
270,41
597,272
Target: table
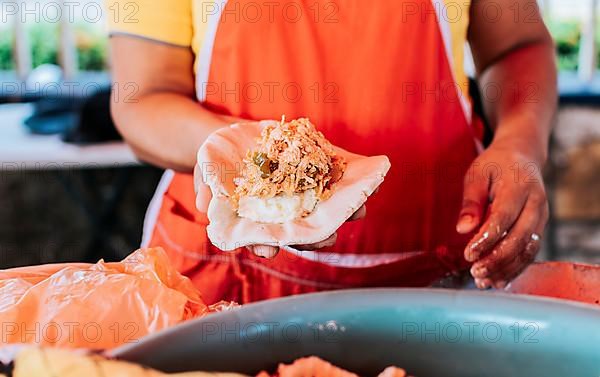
23,151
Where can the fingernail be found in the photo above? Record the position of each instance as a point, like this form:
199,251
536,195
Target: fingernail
264,251
465,224
479,272
484,283
470,254
479,283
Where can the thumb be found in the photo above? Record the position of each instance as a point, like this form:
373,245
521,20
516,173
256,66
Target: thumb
475,200
203,193
264,251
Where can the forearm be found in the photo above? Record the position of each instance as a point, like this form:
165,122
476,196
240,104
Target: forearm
155,106
521,113
166,129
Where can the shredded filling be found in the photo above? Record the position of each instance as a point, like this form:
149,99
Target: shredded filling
290,158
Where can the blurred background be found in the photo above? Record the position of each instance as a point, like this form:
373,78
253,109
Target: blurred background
72,191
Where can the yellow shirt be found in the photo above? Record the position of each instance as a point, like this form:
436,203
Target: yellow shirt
192,23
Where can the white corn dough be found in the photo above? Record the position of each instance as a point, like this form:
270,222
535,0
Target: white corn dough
278,209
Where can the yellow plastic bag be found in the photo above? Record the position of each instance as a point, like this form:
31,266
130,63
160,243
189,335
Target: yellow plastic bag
96,306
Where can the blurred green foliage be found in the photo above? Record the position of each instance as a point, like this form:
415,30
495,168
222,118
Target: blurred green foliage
567,35
91,45
44,43
92,48
6,39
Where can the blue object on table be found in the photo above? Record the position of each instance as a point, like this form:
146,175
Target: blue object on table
573,91
429,332
52,121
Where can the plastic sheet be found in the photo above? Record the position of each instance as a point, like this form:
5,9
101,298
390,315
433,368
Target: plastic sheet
95,306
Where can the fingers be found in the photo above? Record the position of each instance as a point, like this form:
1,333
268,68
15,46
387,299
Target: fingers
516,250
267,251
319,245
503,212
508,267
515,264
518,264
475,200
359,214
263,251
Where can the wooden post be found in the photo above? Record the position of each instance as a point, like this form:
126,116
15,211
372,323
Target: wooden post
545,8
68,51
22,48
587,50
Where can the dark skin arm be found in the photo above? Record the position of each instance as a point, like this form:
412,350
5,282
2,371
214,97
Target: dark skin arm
156,110
504,198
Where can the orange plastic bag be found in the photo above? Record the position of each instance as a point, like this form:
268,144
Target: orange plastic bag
96,306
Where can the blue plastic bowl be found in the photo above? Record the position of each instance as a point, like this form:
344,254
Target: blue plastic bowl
428,332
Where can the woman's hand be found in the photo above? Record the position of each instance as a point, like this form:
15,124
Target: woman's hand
204,195
504,195
267,251
514,55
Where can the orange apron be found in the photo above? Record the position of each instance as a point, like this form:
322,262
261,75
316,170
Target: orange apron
375,82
